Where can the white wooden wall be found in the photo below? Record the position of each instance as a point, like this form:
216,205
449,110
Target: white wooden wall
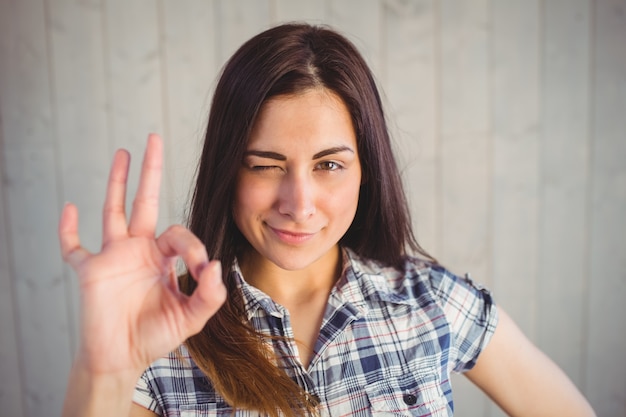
509,116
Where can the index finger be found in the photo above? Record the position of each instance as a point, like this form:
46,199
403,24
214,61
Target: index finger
145,212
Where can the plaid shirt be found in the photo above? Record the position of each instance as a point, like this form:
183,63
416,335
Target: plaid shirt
388,342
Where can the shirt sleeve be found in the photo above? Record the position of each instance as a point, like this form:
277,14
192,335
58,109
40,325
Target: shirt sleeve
144,396
471,314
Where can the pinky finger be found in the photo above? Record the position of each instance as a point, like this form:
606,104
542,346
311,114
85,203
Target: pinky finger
72,252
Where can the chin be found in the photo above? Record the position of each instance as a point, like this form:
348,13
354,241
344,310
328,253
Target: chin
293,263
297,259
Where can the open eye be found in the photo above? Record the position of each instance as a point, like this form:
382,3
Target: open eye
329,166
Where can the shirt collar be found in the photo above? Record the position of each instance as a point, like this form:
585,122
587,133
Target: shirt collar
366,279
253,297
361,280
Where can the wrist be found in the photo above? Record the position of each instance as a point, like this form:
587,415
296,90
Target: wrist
92,393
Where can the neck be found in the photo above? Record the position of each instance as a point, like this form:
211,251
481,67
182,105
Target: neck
290,287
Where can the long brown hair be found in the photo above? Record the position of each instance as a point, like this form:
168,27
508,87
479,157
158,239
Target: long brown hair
284,60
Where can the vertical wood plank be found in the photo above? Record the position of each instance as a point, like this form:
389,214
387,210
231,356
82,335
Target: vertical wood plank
297,10
30,190
81,120
606,369
515,111
563,258
81,109
464,151
363,28
190,43
134,76
11,382
10,358
464,137
59,108
238,21
27,118
410,65
39,284
515,90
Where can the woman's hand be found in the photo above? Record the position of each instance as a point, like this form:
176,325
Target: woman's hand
131,309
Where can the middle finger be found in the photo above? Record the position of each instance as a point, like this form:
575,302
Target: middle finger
114,212
146,204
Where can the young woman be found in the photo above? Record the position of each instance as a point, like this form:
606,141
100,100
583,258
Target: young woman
322,302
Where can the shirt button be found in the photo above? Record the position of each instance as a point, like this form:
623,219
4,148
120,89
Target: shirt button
409,399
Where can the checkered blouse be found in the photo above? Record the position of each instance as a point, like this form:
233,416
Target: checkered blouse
388,342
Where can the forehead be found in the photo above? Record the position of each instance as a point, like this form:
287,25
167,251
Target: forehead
316,116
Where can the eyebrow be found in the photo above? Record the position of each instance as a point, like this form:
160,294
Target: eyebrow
266,154
332,151
279,157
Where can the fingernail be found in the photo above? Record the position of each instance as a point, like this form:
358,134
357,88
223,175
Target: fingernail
217,269
217,265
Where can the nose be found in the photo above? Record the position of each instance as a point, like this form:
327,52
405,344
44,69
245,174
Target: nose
297,196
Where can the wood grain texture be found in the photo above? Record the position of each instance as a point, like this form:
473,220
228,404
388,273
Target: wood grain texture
39,284
299,10
11,383
515,117
30,191
26,118
606,369
464,162
362,28
507,117
238,21
463,158
190,70
564,185
80,108
135,85
515,88
411,83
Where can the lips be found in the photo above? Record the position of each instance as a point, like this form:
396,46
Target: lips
292,237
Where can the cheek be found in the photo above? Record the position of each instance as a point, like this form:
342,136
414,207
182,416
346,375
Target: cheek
250,198
343,201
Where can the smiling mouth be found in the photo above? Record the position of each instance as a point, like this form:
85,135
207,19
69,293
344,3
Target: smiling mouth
292,237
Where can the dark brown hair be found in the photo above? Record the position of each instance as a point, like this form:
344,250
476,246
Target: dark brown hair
285,60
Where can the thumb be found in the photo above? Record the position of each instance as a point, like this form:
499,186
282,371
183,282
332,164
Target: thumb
206,299
71,250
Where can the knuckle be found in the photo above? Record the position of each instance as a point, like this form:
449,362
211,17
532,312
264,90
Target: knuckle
178,227
113,208
198,253
175,229
146,201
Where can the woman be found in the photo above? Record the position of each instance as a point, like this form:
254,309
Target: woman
330,306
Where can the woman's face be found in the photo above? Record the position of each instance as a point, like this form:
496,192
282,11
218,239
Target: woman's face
298,185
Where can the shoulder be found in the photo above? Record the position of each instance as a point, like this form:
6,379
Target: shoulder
454,306
415,279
